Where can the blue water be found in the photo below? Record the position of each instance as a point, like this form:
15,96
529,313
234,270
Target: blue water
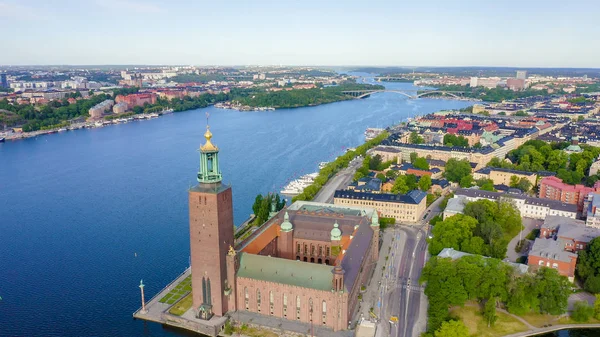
76,207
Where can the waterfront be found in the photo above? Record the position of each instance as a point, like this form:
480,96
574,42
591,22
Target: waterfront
86,214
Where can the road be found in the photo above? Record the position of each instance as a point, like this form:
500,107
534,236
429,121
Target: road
339,181
401,295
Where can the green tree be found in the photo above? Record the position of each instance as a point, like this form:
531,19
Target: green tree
400,185
485,184
375,162
597,307
457,169
380,176
553,291
413,156
391,174
582,312
520,113
489,312
411,182
452,328
415,138
454,232
425,183
421,163
466,181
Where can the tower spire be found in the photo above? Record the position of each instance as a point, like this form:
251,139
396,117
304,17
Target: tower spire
209,171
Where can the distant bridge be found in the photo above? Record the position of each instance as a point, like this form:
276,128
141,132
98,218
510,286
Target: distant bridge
417,93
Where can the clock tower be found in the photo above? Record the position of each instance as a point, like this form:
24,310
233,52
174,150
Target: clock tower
211,234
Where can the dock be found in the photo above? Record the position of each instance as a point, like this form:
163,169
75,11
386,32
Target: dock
159,313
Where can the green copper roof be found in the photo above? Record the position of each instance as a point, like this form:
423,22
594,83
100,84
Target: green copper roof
295,273
375,219
286,226
336,233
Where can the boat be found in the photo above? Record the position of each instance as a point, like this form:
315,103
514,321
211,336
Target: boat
297,186
323,164
371,133
62,129
2,140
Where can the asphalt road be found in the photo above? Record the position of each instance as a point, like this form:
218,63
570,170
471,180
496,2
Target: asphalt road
339,181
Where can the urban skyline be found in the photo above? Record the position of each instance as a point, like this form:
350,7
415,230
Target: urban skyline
380,33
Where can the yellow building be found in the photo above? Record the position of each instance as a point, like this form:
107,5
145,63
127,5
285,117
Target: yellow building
402,207
502,176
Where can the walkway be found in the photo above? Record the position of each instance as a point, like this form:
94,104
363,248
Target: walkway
528,224
285,327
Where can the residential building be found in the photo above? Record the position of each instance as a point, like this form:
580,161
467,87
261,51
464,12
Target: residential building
521,74
595,167
98,110
134,100
515,84
555,189
387,153
439,186
550,253
402,207
593,210
502,176
530,207
455,206
3,81
120,108
573,233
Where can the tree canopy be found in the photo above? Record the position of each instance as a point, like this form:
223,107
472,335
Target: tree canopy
455,141
457,169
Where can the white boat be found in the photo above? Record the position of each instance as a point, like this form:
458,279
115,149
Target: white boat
298,185
323,164
62,129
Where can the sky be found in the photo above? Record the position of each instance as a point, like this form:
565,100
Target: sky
525,33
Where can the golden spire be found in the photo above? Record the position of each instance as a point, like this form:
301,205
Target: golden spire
208,146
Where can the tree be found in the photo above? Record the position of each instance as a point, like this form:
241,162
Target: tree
413,156
421,163
380,176
489,312
457,169
415,138
400,185
485,184
411,182
454,232
588,266
458,141
597,307
524,184
425,183
375,162
391,174
452,328
582,312
553,291
466,181
520,113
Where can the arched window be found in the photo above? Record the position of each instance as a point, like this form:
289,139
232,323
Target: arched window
312,249
305,249
310,309
324,312
320,250
319,261
327,262
298,247
305,259
258,300
327,251
271,301
298,307
246,298
284,305
312,260
297,258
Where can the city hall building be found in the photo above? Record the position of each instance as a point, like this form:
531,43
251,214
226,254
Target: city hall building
306,263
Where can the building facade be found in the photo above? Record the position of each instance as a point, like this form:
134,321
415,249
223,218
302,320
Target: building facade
402,207
307,263
550,253
554,188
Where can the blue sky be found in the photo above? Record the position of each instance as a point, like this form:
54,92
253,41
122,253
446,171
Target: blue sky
525,33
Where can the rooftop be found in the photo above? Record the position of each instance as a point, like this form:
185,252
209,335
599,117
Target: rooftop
551,249
295,273
412,197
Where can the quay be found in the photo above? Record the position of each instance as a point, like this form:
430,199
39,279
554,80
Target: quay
158,312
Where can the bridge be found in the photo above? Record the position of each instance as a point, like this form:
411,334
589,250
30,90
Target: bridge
408,93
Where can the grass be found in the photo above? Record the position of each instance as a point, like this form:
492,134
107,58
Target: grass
254,332
471,316
539,320
179,291
568,320
182,306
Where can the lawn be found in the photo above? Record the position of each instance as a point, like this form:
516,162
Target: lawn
182,306
471,316
539,320
178,292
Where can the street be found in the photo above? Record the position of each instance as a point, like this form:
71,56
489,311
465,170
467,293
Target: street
339,181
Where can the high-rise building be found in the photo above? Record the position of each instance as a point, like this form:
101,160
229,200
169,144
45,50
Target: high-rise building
3,81
211,234
522,74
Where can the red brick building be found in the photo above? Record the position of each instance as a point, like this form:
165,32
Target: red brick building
574,234
553,188
134,100
551,253
306,263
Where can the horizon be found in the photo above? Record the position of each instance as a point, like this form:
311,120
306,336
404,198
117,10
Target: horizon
378,34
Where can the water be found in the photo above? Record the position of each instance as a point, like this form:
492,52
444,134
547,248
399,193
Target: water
76,207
